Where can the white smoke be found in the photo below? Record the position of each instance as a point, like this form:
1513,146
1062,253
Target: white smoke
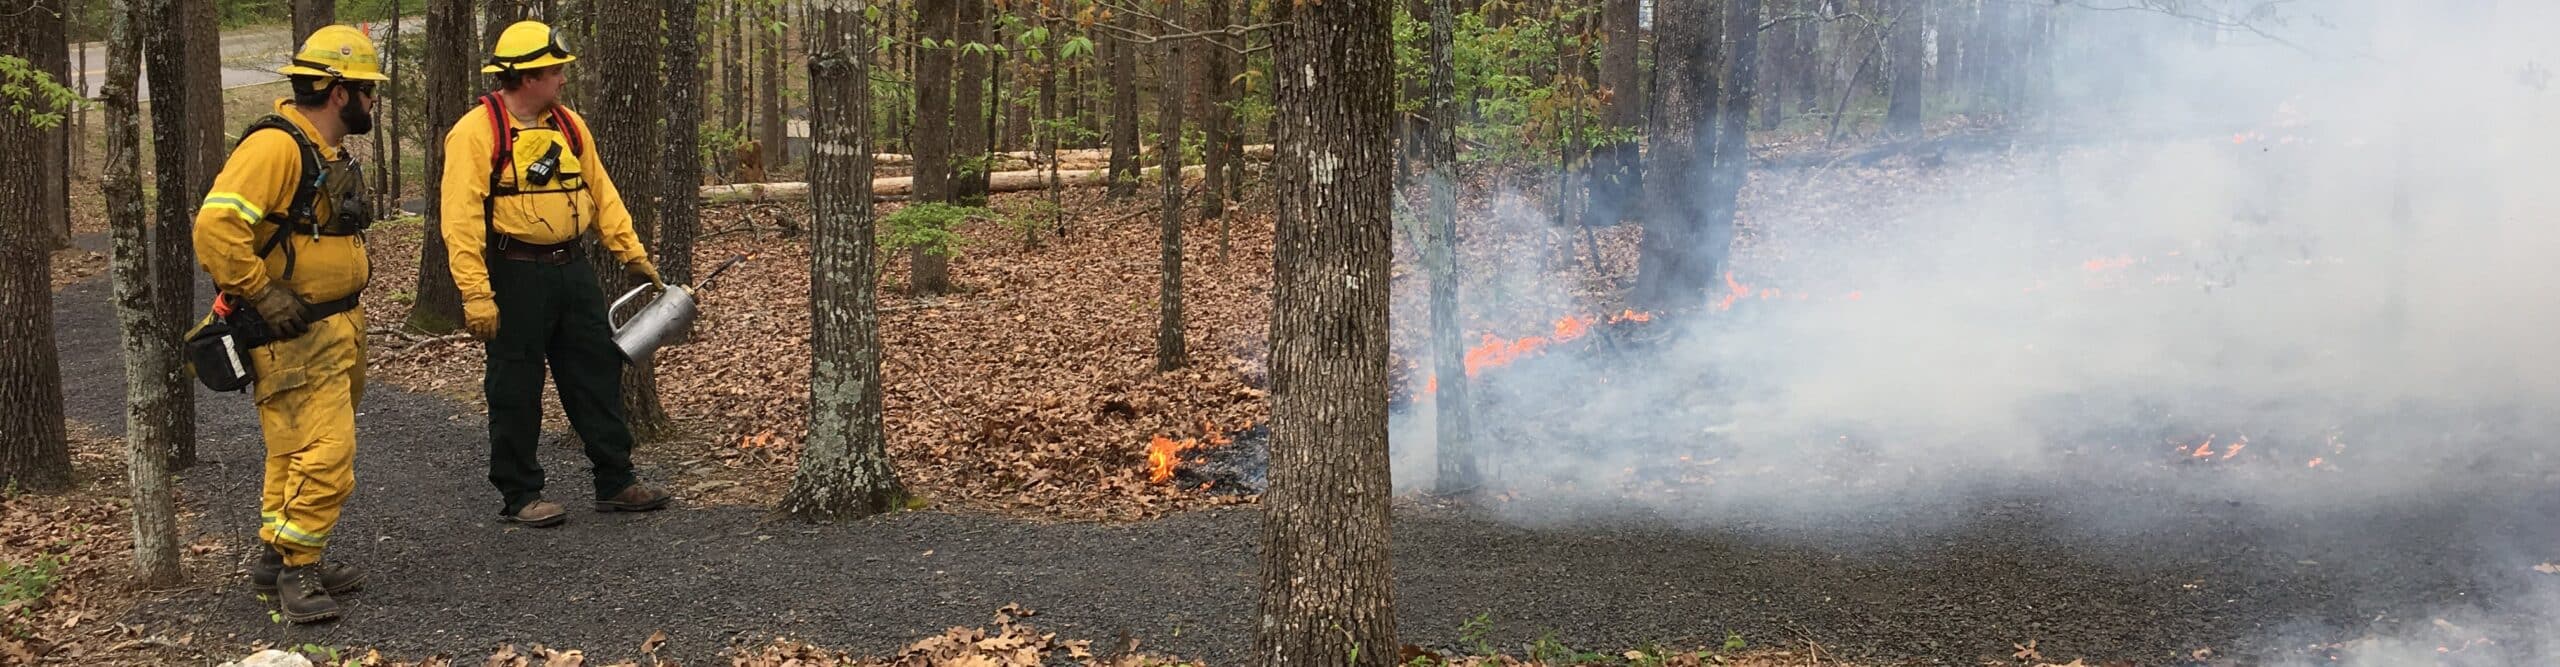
2193,240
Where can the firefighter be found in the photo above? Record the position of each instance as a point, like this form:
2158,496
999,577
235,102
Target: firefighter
281,233
522,183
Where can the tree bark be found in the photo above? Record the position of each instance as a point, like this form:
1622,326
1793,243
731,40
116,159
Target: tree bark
1169,349
680,215
733,103
939,21
1455,456
1732,156
183,166
1676,266
1617,170
310,15
1908,58
1213,119
34,453
844,470
153,380
1050,122
52,55
450,61
777,149
1327,590
969,108
1124,111
628,108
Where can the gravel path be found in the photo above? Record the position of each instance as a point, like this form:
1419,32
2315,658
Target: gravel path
447,578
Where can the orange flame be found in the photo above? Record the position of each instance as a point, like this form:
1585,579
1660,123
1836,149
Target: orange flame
1735,290
1571,328
1162,454
2206,449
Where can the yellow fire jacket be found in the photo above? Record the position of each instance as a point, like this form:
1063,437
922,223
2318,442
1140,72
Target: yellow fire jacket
256,183
554,212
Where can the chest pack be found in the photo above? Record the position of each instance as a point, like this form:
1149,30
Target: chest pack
551,170
349,215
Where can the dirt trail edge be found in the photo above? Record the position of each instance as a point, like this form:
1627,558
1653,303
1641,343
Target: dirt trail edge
447,578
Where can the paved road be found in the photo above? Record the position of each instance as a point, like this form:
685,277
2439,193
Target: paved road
250,56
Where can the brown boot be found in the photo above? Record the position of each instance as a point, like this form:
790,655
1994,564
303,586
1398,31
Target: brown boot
538,514
638,497
337,578
301,598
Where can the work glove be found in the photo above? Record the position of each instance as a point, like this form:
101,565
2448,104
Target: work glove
285,313
480,317
641,269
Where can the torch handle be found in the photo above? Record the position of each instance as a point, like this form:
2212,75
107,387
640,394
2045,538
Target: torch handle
715,272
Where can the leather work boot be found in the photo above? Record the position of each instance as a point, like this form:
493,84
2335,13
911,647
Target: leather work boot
337,578
538,514
638,497
301,598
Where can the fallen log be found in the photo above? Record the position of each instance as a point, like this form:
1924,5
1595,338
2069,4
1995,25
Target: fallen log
896,187
1086,158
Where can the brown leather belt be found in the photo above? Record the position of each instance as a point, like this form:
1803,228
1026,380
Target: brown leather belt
554,254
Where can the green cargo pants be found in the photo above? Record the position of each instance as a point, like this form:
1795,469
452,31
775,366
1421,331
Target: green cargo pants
554,315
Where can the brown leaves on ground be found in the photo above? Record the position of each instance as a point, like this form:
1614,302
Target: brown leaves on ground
74,550
1010,644
1031,390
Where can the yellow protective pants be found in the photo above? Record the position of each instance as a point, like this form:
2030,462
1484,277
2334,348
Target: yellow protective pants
307,391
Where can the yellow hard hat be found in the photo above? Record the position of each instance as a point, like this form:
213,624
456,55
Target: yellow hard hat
337,52
527,45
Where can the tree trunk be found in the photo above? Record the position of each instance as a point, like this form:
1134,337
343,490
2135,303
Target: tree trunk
1779,54
1213,119
1050,120
310,15
1455,456
1943,24
1675,269
34,453
1908,58
1169,349
450,60
153,379
1327,590
844,470
183,165
733,104
1732,157
628,108
777,151
1617,170
1124,111
679,213
937,20
52,55
969,108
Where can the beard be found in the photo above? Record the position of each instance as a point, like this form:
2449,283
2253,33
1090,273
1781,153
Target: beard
357,120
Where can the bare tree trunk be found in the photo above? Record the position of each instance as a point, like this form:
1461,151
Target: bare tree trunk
186,152
1213,119
450,61
1671,273
152,376
34,453
1455,455
1169,348
1051,121
937,20
969,109
1909,81
733,65
1733,143
627,112
777,151
1617,170
844,470
1327,590
1124,112
310,15
680,213
1780,54
52,55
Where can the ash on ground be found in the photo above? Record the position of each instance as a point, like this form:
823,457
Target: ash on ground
1242,466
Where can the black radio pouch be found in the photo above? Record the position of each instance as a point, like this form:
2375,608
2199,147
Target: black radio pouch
218,349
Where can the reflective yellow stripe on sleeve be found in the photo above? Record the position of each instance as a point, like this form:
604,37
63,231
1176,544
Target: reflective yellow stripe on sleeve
234,202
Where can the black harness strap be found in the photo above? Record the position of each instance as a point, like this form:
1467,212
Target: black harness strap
502,141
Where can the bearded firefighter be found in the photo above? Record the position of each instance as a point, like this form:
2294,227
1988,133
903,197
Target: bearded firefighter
522,184
281,235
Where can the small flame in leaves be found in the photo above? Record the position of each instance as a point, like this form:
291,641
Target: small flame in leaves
1163,453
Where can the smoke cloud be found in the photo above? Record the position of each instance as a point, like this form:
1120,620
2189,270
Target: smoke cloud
2324,246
